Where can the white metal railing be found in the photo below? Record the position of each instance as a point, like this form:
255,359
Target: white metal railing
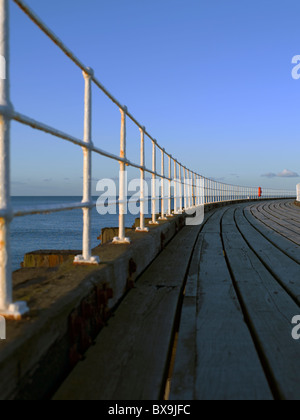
191,189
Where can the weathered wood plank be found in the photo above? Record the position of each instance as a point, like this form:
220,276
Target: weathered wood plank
269,309
286,233
214,340
283,215
282,222
286,214
286,270
290,248
290,207
130,358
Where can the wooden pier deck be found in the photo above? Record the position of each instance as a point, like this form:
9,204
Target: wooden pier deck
210,319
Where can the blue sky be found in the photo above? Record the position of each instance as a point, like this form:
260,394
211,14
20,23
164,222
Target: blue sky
210,79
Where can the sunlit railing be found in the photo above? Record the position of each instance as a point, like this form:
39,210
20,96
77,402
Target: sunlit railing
181,189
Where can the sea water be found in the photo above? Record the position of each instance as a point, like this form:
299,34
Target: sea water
61,230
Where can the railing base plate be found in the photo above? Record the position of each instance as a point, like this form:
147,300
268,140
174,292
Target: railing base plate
81,261
15,311
138,229
120,241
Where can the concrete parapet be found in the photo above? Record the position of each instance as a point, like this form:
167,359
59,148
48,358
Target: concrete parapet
68,307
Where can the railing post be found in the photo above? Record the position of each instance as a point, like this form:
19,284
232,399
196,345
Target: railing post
163,216
190,189
194,188
142,227
180,209
7,308
153,210
86,257
184,189
121,239
215,190
169,214
175,188
207,191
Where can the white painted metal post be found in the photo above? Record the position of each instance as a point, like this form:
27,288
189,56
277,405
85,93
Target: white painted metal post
215,190
180,208
121,239
188,188
142,227
86,257
153,210
7,308
184,188
162,216
175,188
170,188
193,190
87,168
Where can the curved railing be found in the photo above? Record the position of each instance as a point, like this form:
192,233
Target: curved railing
181,188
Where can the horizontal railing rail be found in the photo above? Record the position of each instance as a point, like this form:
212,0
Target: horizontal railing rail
181,188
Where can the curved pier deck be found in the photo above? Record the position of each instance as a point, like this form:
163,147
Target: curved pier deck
209,319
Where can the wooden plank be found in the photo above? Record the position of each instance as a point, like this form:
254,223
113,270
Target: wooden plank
290,248
286,270
130,358
286,233
285,213
288,205
216,358
283,223
269,310
292,207
183,377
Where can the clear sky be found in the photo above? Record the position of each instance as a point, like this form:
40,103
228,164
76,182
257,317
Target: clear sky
210,79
